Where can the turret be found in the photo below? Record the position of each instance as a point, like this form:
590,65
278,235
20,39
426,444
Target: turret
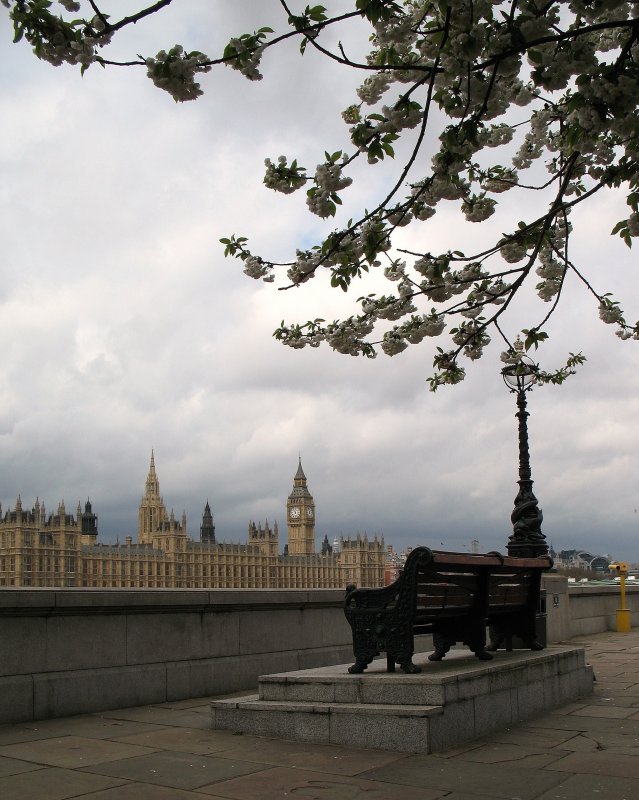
88,523
207,528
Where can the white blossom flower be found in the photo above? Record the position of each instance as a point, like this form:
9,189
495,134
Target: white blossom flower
610,313
283,178
247,60
512,252
478,209
175,72
393,343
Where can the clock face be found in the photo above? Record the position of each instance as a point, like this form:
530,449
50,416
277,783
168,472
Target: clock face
309,513
295,512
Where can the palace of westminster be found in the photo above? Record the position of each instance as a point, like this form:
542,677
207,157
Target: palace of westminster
63,551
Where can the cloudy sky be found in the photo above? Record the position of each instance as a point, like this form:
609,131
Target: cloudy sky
124,329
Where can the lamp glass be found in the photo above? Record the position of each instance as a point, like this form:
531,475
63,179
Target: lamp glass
520,375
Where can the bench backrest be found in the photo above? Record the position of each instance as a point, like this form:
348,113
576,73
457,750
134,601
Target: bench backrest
450,584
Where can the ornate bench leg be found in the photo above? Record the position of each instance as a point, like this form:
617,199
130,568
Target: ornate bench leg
477,644
442,645
390,663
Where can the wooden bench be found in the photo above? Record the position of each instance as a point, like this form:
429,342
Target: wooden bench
453,596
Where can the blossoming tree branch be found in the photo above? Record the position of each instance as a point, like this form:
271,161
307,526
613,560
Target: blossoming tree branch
525,98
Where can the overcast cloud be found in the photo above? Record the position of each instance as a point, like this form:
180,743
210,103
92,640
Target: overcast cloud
125,329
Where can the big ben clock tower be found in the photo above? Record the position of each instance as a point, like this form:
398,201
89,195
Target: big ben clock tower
300,516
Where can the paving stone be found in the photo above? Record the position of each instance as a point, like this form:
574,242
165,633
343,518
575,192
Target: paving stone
452,752
144,791
498,753
590,787
570,707
179,770
599,763
13,766
610,712
12,734
616,700
471,796
534,737
455,775
92,726
72,751
161,716
192,704
52,784
184,740
333,759
570,722
281,782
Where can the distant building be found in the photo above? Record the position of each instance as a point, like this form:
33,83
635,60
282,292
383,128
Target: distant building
63,551
581,559
393,566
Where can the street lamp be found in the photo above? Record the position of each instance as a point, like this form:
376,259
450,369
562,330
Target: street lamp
526,540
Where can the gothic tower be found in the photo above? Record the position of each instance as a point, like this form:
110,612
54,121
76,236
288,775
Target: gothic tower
207,528
152,509
300,516
88,523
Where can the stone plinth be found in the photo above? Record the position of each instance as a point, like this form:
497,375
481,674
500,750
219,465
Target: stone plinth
456,700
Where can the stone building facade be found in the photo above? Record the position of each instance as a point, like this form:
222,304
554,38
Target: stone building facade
61,550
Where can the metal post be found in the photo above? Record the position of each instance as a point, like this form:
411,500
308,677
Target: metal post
624,623
527,540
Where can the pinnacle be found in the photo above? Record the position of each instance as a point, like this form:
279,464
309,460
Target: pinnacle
299,475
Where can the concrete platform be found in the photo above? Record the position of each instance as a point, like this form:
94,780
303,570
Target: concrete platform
457,700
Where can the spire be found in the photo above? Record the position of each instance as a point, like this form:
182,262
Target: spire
299,475
152,483
207,528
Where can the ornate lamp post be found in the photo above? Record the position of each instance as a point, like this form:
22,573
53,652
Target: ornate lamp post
527,540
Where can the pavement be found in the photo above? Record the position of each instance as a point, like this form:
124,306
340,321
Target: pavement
583,751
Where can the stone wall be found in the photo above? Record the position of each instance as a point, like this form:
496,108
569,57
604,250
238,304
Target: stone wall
582,609
79,651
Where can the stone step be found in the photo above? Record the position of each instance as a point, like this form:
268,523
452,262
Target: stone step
365,725
460,676
448,703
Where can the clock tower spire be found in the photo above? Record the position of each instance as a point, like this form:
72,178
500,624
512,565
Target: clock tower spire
300,516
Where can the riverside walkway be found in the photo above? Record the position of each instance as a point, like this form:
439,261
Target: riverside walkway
583,751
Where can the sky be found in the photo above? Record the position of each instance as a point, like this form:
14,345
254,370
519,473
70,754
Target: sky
124,329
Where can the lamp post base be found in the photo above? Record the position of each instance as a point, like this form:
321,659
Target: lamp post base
527,540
